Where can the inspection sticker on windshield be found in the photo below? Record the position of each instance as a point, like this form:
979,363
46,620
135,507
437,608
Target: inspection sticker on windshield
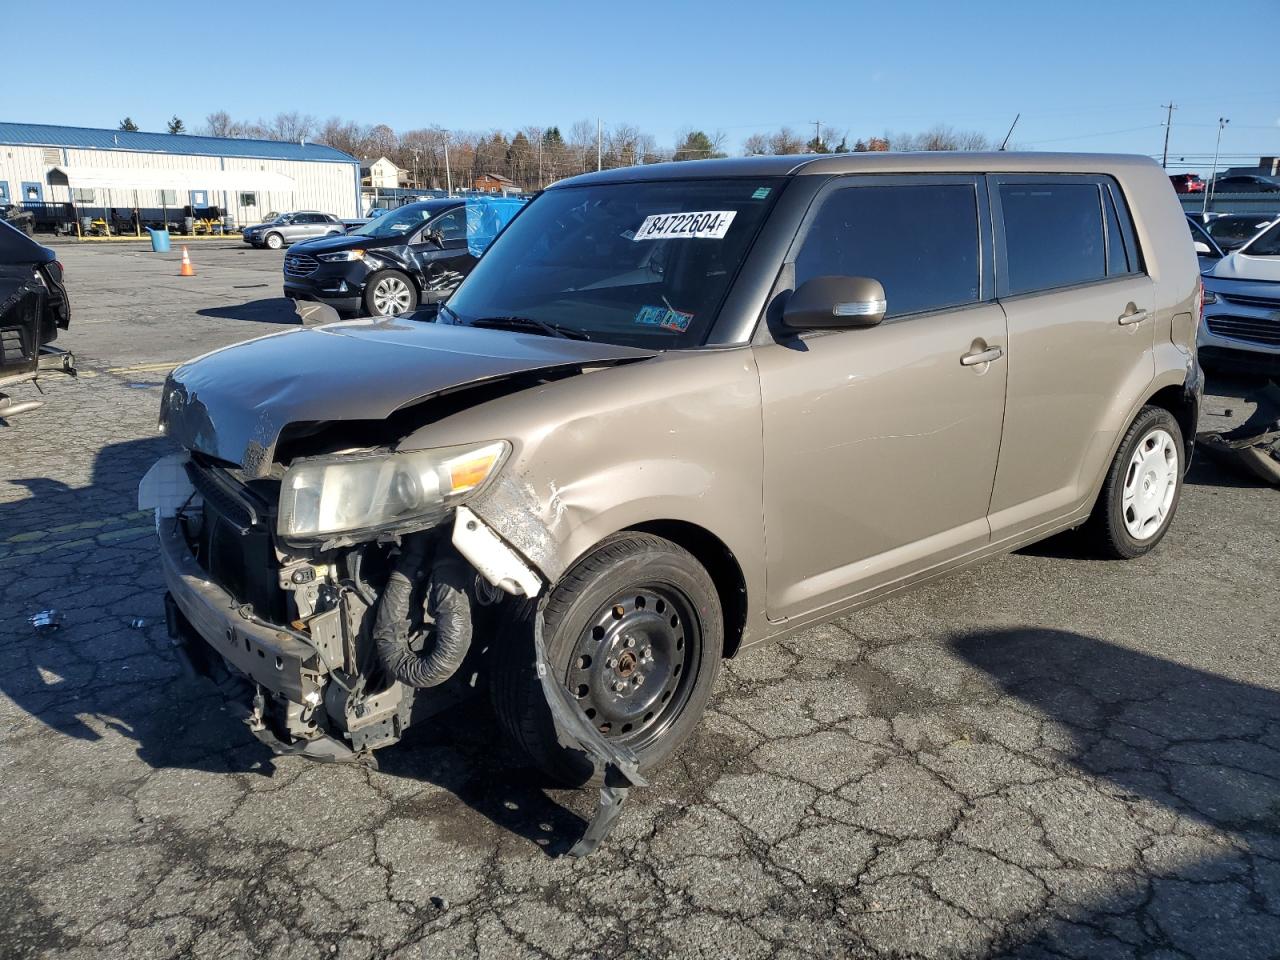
703,225
664,317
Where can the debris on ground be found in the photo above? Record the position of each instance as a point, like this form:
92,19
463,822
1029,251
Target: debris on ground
1254,446
46,621
137,623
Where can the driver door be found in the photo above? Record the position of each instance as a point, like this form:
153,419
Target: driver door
880,443
440,254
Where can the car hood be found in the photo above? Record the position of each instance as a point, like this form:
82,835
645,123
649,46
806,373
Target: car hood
232,404
1241,266
351,241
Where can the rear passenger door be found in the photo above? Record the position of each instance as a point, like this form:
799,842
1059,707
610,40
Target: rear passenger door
1081,337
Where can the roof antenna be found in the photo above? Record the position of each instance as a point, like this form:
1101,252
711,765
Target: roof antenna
1005,142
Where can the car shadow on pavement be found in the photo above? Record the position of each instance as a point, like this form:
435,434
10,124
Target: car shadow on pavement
270,310
1160,738
108,670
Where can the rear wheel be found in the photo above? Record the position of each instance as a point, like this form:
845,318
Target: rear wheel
634,632
390,294
1142,489
274,241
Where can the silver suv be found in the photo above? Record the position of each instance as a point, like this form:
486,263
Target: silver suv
291,227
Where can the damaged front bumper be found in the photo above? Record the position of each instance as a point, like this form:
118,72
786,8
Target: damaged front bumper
307,686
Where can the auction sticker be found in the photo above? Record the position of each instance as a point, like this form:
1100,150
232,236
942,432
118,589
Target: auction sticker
702,225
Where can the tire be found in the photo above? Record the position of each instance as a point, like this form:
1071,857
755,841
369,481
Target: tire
274,241
389,293
669,608
1142,489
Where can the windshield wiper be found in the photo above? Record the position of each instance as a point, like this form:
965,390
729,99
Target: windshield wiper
529,323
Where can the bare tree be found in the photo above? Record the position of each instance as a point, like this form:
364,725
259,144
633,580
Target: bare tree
785,141
755,145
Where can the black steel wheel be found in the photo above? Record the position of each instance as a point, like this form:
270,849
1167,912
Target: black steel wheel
634,631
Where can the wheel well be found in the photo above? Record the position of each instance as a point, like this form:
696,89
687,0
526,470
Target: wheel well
1175,400
719,561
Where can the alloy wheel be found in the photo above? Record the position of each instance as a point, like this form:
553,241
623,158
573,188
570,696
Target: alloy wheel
391,297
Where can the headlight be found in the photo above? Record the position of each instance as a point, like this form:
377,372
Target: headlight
340,256
369,492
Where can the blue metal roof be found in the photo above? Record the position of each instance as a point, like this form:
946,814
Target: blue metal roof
90,138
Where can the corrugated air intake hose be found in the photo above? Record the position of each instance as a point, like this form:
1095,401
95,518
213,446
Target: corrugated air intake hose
448,603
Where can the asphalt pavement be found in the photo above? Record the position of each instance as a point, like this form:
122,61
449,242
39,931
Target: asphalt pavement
1044,756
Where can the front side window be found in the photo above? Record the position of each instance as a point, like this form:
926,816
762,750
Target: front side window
1053,235
452,225
645,263
920,242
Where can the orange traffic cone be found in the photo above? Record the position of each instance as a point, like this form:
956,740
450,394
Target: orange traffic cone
187,270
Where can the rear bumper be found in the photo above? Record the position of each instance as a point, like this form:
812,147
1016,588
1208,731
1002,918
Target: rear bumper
270,657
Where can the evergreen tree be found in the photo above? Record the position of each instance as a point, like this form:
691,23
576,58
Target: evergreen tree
176,125
128,124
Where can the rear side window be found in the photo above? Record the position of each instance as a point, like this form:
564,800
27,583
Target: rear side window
1053,235
920,242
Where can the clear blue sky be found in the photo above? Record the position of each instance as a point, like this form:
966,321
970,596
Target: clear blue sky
1084,75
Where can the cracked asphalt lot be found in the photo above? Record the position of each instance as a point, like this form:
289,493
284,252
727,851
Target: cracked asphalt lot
1046,756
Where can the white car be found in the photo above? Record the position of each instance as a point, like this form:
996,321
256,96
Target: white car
1241,328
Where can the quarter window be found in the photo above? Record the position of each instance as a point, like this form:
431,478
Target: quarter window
1053,235
1117,257
920,242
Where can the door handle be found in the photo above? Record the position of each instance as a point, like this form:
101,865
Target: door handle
982,356
1137,316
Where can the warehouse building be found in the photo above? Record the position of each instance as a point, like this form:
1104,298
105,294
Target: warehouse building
96,171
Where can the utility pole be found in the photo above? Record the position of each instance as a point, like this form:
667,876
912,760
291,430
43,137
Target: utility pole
817,136
599,145
1208,193
448,174
1168,125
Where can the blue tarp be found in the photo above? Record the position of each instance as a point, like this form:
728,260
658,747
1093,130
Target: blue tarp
485,217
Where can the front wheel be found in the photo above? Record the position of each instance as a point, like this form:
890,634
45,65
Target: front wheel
634,632
275,241
1142,488
390,294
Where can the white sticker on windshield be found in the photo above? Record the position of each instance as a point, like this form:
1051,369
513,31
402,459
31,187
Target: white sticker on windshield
703,225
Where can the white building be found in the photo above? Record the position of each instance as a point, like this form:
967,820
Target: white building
382,173
106,169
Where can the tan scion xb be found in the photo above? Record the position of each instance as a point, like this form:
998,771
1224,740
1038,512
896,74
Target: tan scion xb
676,410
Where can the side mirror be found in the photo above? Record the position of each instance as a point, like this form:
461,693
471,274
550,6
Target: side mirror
1202,248
824,303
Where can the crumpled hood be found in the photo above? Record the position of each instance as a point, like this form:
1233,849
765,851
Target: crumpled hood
1241,266
233,403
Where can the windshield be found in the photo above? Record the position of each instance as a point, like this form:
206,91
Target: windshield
643,264
1236,229
396,223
